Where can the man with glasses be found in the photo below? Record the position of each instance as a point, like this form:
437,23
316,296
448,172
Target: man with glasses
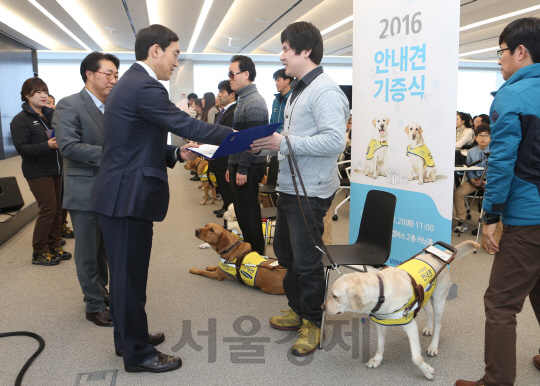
473,177
512,196
246,170
132,190
78,125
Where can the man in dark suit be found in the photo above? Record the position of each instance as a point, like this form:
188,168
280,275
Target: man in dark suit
227,104
131,191
78,126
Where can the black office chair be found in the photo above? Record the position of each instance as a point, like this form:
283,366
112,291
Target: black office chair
271,181
374,242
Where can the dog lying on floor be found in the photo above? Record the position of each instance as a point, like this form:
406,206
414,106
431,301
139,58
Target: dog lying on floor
359,292
200,166
266,275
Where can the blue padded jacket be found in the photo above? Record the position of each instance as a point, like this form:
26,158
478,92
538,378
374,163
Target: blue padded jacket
513,176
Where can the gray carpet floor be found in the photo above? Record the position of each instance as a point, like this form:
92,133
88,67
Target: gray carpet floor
220,329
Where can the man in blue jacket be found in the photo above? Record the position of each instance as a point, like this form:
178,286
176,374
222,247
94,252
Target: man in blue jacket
283,86
513,196
132,190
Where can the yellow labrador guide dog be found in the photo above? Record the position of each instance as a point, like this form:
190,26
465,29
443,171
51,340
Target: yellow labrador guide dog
393,296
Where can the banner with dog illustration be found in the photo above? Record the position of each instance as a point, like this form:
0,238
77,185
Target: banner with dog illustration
405,73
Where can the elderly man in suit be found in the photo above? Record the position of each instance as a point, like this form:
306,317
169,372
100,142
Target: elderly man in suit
132,191
78,125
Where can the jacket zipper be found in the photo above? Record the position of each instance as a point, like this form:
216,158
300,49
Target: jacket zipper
56,150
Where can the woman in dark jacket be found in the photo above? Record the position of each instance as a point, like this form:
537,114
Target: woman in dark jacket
34,140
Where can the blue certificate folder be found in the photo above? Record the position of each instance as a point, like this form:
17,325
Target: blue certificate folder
236,142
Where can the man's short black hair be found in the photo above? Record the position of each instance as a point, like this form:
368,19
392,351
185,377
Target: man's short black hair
526,32
245,64
304,36
155,34
482,128
192,96
226,85
484,118
281,74
91,62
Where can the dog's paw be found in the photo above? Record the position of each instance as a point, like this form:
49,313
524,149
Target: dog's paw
193,270
420,182
432,351
373,363
428,371
202,202
427,331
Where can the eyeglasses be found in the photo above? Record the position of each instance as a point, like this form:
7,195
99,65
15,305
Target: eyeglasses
500,52
175,55
483,135
232,74
109,75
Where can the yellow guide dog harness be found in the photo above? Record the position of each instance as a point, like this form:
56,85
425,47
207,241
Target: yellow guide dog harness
423,280
422,152
205,176
374,146
245,270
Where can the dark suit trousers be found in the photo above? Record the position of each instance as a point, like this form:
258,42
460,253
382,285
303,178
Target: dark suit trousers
247,206
90,259
223,185
47,191
129,243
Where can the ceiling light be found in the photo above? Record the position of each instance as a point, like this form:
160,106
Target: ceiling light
202,18
24,28
63,27
494,19
81,17
337,25
478,51
153,9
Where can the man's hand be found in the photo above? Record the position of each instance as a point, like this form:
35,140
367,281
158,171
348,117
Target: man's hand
488,232
271,143
52,143
474,181
187,155
241,179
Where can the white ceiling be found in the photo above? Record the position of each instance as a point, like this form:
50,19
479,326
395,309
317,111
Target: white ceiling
250,27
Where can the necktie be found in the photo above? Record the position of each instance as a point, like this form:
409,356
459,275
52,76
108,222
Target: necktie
220,115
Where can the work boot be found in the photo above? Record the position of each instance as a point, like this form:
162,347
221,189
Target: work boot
46,258
66,232
308,339
59,252
289,322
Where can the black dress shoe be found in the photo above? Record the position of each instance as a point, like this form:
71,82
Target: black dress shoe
101,318
218,210
159,363
195,178
221,213
154,339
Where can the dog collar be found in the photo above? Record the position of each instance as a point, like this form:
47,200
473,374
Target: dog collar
231,248
381,296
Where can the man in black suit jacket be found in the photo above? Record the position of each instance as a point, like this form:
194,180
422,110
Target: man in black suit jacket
131,191
225,117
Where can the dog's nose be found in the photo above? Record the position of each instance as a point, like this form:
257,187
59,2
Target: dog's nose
196,232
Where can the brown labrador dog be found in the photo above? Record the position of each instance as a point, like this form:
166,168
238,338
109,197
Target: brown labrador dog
199,165
267,275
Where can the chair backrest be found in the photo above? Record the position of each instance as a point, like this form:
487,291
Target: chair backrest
273,169
377,224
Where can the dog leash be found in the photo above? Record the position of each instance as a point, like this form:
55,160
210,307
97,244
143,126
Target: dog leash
295,171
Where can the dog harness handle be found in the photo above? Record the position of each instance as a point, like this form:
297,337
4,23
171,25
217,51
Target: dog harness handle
381,296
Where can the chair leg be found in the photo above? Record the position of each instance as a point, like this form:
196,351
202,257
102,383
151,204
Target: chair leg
341,204
327,275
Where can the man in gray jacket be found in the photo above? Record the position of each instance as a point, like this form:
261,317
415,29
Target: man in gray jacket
315,123
78,125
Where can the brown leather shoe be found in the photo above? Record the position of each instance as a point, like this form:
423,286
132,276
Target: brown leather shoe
101,318
461,382
154,339
159,363
536,361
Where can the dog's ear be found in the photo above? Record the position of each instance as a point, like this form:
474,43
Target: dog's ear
420,129
407,130
224,241
373,121
387,121
356,296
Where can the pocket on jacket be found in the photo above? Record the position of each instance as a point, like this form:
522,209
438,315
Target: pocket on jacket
155,172
80,172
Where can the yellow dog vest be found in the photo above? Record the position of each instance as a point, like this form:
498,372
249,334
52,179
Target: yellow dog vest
422,152
204,176
248,269
373,147
422,272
